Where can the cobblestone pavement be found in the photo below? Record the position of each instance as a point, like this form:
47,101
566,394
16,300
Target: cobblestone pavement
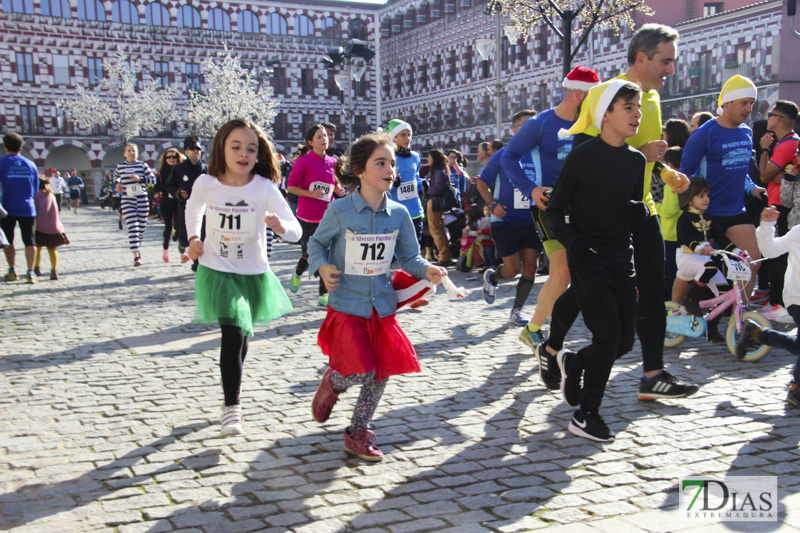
111,398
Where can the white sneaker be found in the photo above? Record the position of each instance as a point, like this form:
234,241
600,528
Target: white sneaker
517,318
231,421
776,313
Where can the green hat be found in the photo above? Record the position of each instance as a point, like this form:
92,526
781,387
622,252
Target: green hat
395,126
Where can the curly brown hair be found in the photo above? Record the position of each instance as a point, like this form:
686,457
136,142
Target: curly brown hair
360,152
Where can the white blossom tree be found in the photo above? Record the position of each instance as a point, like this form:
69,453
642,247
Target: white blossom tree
232,91
130,106
568,18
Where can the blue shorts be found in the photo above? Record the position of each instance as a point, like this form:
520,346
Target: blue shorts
510,239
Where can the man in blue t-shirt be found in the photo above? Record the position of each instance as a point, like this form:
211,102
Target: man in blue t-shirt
539,138
720,150
513,231
19,180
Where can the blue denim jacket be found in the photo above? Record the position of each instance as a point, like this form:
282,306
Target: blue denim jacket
357,295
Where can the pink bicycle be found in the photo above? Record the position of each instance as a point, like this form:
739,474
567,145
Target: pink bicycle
681,324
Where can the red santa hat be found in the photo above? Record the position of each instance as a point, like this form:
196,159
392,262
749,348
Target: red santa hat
409,288
581,78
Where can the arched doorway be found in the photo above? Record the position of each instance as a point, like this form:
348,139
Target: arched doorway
69,157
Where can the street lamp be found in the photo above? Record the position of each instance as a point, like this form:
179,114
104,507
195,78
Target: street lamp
484,47
340,56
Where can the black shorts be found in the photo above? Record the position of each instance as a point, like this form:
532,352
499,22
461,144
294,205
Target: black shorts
74,195
546,234
724,223
26,225
510,239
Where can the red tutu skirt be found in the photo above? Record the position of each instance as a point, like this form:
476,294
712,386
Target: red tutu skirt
357,345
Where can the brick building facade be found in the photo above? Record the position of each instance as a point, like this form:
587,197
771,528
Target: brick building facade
426,69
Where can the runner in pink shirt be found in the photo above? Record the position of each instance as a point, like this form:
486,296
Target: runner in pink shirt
312,180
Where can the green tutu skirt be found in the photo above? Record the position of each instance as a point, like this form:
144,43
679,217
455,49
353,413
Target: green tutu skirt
238,300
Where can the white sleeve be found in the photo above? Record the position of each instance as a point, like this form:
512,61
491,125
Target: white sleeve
771,246
277,205
195,209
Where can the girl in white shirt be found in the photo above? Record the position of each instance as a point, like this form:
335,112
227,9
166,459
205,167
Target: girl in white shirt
235,286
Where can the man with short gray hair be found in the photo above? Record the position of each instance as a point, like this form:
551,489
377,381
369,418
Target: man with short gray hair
651,58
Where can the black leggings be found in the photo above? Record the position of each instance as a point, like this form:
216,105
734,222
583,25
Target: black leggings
308,230
168,208
232,353
651,318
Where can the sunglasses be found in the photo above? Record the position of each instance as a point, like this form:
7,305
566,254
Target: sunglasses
171,157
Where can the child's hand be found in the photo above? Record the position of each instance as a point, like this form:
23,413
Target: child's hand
435,274
330,276
274,223
195,249
769,214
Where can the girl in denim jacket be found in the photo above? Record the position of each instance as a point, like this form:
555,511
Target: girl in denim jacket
352,250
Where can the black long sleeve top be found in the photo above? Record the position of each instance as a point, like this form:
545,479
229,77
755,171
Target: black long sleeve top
600,188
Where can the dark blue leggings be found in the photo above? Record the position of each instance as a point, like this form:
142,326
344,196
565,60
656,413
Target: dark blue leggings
771,337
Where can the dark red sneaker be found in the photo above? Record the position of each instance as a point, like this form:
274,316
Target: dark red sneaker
361,444
325,398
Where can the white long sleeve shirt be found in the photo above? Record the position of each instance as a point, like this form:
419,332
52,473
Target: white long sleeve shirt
236,232
771,246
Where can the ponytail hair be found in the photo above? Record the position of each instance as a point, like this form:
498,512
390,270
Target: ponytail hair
356,161
309,136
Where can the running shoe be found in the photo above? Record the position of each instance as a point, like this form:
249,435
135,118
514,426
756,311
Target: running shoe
325,398
549,372
37,271
138,261
793,398
323,300
532,338
185,258
570,377
776,313
590,426
489,288
665,385
517,318
294,284
31,277
419,303
231,421
53,274
362,444
165,256
120,224
760,297
12,276
745,342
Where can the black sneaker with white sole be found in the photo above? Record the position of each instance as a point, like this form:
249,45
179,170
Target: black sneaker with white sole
570,377
665,386
548,368
590,426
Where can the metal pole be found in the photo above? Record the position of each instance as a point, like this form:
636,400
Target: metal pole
349,103
498,87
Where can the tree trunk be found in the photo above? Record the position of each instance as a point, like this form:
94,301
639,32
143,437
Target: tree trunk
566,43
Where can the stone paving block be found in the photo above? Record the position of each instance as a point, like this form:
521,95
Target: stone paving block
379,518
332,525
426,524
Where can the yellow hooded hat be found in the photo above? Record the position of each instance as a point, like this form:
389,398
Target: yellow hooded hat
594,107
736,88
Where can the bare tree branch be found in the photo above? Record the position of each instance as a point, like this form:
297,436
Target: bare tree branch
233,91
120,99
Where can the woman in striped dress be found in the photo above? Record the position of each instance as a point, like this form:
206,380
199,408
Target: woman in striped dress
131,178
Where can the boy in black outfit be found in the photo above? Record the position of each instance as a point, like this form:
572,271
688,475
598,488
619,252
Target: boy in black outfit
600,188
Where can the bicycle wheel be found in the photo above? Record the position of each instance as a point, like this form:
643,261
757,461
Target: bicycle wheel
755,354
672,339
